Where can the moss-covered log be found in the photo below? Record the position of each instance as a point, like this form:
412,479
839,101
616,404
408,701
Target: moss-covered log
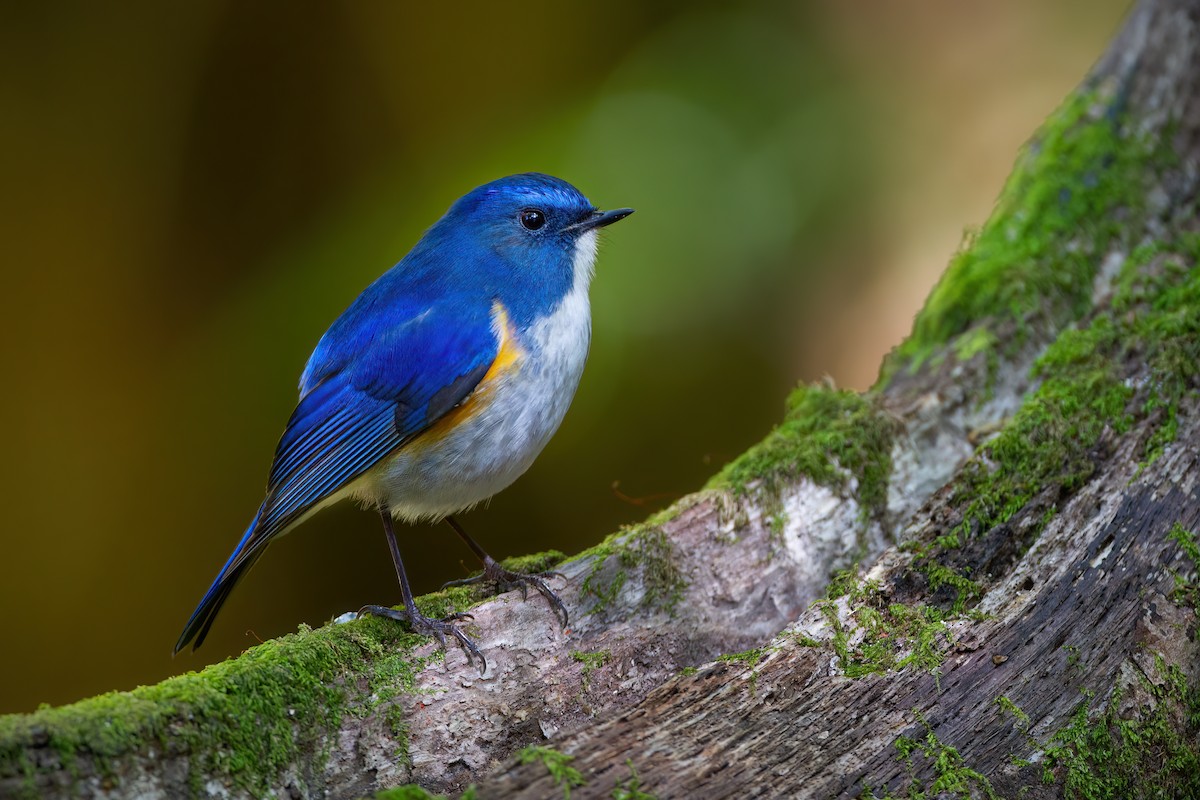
1020,490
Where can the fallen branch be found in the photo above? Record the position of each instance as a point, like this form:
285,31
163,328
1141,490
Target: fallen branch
1044,516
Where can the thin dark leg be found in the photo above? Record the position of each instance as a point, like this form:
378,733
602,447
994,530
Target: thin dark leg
419,622
506,579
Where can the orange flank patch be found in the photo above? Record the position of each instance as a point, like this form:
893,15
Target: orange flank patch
509,352
508,356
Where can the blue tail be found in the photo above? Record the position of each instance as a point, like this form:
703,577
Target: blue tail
244,555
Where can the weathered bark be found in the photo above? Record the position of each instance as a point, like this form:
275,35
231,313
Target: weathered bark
1087,607
998,588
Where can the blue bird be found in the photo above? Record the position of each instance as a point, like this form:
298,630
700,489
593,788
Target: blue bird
440,384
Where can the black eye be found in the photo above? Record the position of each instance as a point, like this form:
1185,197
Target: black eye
532,219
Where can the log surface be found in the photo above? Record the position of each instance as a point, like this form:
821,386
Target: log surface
1073,604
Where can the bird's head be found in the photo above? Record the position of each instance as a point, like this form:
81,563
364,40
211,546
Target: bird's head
541,228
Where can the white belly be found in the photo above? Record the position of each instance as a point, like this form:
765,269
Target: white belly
492,448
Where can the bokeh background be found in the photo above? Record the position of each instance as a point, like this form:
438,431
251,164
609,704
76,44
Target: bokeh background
193,192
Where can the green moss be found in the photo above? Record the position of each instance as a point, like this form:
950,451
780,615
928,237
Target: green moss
557,764
891,636
534,563
973,342
939,575
630,788
607,576
952,777
1034,260
645,549
452,600
397,723
1186,591
245,719
407,792
827,435
776,524
1051,440
894,636
665,515
456,599
1131,365
663,582
848,583
1160,306
1009,707
749,658
1151,753
412,791
591,662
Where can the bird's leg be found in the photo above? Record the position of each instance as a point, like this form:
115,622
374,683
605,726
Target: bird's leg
419,622
507,579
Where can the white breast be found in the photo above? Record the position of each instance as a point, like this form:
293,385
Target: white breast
490,450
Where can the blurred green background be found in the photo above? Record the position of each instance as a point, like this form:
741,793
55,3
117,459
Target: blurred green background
193,192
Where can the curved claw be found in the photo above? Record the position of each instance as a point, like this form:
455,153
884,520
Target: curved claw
382,611
556,604
470,649
506,580
437,628
463,581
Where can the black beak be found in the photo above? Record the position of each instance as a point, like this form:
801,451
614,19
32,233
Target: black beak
598,219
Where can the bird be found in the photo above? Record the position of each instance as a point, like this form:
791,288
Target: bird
439,385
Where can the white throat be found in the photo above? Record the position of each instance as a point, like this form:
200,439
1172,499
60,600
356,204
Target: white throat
584,262
562,337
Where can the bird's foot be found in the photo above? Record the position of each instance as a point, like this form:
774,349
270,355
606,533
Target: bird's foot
505,580
437,628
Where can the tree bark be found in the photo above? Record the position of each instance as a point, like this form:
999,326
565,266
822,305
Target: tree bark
1020,489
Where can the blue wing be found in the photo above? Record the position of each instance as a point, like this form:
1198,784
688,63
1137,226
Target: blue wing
386,371
370,392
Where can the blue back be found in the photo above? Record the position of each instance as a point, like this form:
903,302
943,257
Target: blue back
423,326
414,344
